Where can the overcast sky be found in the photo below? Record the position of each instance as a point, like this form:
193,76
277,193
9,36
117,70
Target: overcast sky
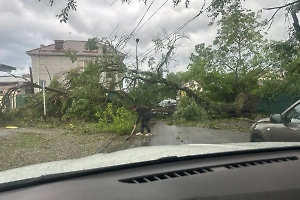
25,25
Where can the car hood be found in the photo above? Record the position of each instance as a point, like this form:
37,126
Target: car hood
263,120
134,155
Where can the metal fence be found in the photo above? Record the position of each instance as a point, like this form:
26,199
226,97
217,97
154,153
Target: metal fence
275,105
16,101
264,105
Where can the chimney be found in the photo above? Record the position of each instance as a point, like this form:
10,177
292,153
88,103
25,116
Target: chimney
59,44
42,45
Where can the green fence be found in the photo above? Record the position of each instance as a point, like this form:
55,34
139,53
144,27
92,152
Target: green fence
17,101
276,105
21,100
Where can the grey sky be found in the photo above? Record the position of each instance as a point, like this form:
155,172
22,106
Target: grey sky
25,25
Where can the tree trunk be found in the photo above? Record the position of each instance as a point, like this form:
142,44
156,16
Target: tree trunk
296,24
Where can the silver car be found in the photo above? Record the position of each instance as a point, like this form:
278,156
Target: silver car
284,127
168,103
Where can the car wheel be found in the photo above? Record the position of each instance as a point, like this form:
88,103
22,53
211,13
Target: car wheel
256,138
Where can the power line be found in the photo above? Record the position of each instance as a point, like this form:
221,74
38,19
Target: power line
119,44
153,14
168,36
113,2
148,51
143,17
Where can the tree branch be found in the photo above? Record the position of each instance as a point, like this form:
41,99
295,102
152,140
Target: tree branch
283,6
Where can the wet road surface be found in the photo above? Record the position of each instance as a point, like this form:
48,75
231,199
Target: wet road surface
163,134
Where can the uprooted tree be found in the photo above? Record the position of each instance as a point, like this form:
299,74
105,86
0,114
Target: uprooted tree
106,80
235,67
236,62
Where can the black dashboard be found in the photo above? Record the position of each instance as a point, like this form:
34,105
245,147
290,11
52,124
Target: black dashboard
243,175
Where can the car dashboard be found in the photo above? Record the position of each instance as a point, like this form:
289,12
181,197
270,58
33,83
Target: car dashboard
252,174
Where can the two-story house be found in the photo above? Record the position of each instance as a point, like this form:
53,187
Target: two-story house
9,84
6,68
7,80
50,61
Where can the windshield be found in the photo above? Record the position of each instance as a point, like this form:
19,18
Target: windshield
92,77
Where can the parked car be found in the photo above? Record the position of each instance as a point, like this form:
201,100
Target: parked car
284,127
168,103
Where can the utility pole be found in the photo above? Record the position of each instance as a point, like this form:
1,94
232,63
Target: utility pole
31,80
136,56
136,59
44,98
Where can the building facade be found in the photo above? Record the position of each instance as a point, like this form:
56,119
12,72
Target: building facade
49,62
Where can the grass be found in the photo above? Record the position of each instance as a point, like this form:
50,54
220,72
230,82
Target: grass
57,141
27,140
27,146
20,149
234,124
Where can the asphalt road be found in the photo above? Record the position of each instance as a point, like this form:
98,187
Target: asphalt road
164,134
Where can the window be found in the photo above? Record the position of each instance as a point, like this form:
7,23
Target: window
294,114
82,63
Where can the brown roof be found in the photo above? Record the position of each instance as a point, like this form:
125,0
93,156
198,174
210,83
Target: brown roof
6,68
73,45
6,79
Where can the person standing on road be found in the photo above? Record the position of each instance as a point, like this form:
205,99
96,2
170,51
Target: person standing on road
145,114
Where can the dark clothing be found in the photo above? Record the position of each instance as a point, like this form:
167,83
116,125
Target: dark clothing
145,114
145,125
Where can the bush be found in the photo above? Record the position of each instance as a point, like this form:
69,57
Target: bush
187,109
117,120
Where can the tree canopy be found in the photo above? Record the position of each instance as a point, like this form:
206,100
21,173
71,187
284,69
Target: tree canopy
235,60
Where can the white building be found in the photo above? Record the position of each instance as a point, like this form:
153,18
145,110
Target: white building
50,61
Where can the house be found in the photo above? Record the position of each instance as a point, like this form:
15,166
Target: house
50,61
193,85
6,68
8,81
268,76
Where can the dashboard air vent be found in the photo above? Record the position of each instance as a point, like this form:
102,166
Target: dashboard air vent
167,175
202,170
260,162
